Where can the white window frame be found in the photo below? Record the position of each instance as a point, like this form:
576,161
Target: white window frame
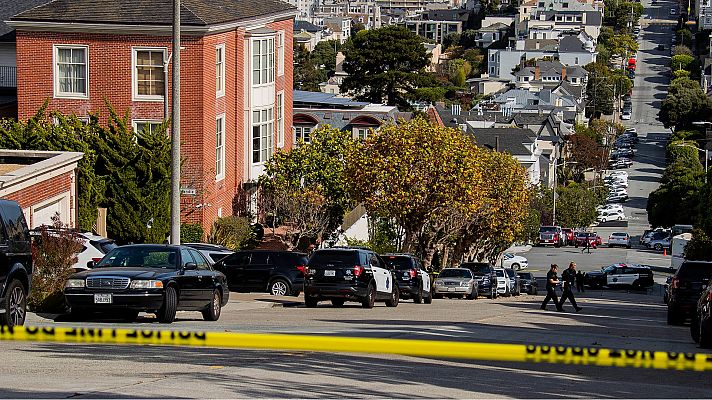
55,60
362,133
220,70
220,148
148,122
265,140
266,73
279,118
298,131
134,78
280,53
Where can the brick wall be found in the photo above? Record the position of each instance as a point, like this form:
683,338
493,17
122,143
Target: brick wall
43,191
110,79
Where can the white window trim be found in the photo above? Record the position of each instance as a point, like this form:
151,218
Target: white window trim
270,134
55,69
135,122
280,53
279,120
134,82
221,175
220,92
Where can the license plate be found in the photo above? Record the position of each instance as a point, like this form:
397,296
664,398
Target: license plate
451,289
102,298
329,272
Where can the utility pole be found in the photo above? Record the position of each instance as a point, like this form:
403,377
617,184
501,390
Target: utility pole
175,129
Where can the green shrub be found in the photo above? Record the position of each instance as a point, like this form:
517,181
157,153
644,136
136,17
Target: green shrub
233,232
191,233
54,252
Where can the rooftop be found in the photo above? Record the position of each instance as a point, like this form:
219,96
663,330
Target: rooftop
18,166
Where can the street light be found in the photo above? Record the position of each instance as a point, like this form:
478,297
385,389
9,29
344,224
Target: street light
698,149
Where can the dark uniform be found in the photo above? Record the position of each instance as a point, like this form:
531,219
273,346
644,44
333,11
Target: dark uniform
580,277
551,290
569,277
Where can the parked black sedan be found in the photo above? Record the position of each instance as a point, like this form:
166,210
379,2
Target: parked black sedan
160,279
701,325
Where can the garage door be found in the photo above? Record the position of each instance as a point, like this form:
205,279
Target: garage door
43,214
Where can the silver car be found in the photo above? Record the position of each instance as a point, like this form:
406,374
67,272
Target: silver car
619,239
455,282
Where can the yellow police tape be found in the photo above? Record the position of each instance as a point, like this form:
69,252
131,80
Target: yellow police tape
419,348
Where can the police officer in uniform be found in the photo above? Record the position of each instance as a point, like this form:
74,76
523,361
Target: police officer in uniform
569,277
551,281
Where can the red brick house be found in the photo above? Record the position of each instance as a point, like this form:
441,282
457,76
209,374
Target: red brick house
236,80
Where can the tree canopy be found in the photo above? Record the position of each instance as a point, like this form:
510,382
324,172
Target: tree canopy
384,65
685,103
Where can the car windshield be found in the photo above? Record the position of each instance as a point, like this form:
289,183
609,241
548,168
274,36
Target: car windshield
399,262
455,273
525,275
510,272
147,257
477,268
499,273
333,257
547,229
609,268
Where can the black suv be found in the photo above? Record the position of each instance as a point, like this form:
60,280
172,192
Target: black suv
413,280
486,278
277,272
685,289
15,264
349,274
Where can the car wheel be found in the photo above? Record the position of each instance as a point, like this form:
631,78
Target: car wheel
437,296
672,317
429,299
167,313
310,302
695,329
418,298
370,298
627,246
705,337
395,297
279,287
658,247
516,266
337,302
212,311
15,305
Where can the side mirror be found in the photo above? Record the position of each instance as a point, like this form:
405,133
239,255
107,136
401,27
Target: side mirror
190,266
91,264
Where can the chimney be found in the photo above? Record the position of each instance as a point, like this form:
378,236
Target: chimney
496,143
563,72
537,72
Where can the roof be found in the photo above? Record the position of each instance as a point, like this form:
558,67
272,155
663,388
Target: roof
494,27
510,140
544,44
593,18
576,70
325,99
9,8
152,12
306,26
571,44
447,15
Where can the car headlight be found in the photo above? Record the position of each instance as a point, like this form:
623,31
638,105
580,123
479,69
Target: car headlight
438,283
74,283
146,284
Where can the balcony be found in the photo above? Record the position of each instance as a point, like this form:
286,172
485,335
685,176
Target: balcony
8,77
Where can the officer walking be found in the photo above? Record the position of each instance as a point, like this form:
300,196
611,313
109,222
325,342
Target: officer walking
551,281
569,277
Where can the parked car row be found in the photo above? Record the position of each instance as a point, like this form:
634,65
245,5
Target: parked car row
689,297
617,183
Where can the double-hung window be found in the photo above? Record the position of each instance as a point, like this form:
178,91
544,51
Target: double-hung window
303,133
262,133
220,70
280,53
262,61
280,118
148,75
71,71
145,126
220,147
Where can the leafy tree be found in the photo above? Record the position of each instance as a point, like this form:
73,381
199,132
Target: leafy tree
307,74
602,85
576,206
684,37
306,187
700,247
383,236
685,103
476,59
384,64
356,27
681,61
451,39
325,54
426,178
430,94
622,44
586,154
680,73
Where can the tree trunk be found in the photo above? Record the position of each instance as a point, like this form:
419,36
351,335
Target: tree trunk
445,260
